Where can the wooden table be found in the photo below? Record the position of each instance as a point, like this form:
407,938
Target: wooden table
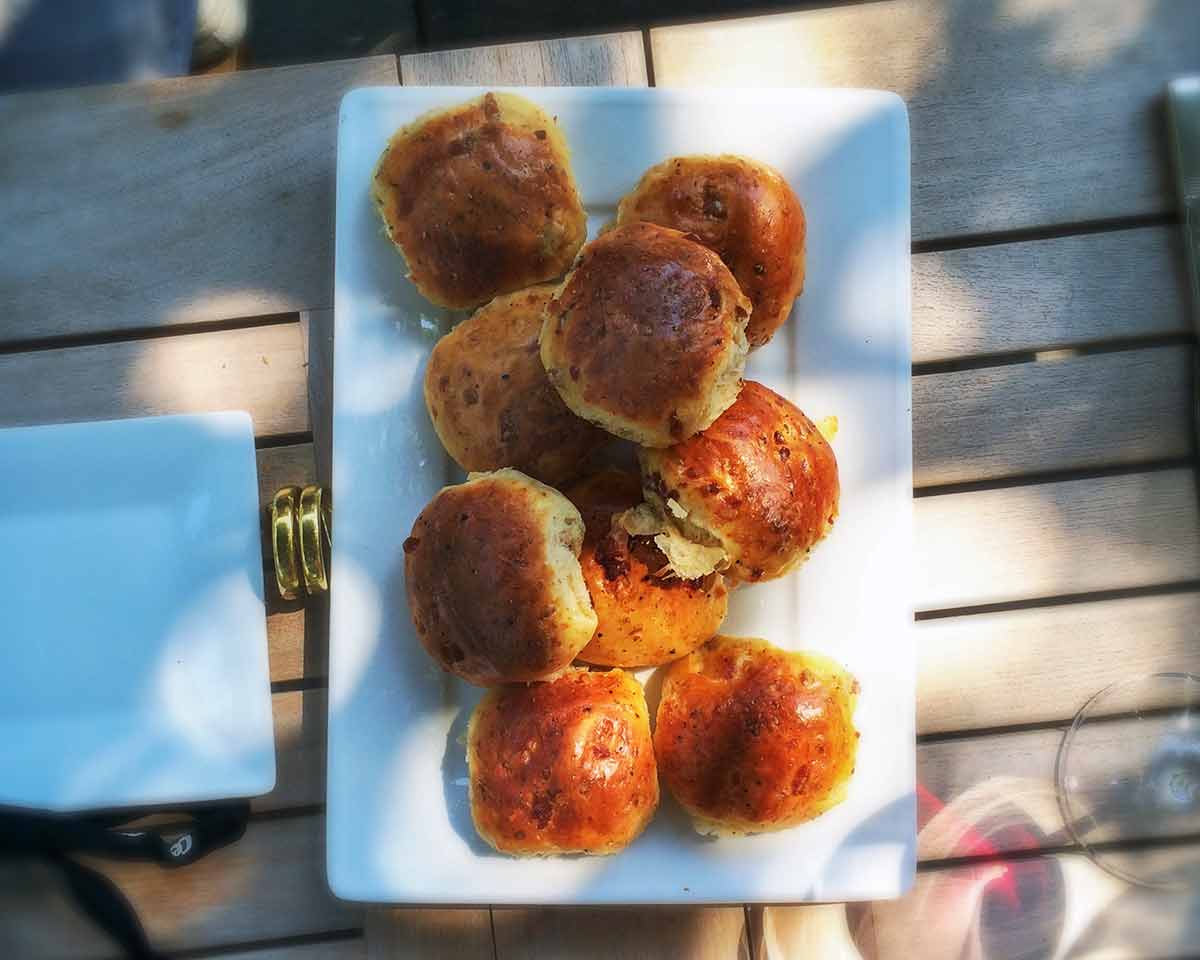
168,247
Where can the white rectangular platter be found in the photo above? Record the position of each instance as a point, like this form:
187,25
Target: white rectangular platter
133,666
399,825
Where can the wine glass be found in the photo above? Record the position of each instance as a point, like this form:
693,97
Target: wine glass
1128,779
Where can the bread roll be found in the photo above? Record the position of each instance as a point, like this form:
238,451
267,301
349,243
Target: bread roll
742,209
480,200
562,767
762,482
646,335
493,580
490,401
752,738
643,619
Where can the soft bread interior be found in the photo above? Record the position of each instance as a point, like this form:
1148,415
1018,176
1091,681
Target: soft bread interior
564,540
691,552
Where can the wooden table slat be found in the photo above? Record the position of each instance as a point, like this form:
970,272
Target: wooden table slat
1040,664
1102,410
300,726
257,369
612,60
1023,115
414,934
1038,294
622,933
1052,539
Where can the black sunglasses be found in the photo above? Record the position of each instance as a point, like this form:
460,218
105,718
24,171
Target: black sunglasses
57,838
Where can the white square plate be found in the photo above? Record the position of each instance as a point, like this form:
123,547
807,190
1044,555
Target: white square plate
133,665
398,819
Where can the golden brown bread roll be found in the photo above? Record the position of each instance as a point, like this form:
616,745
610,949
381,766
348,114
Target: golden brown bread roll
489,398
762,482
562,767
742,209
752,738
493,579
480,200
642,619
646,335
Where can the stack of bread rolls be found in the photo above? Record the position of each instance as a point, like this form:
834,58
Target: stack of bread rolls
548,574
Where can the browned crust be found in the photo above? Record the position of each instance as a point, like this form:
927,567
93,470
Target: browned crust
641,331
742,209
480,585
490,400
643,619
563,767
762,479
480,206
749,737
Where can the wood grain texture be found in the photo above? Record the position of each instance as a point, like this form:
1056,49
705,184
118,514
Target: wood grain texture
282,466
256,369
300,725
1023,112
269,885
1059,414
285,643
178,201
414,934
316,328
1050,539
635,933
1039,294
1041,664
609,60
1060,906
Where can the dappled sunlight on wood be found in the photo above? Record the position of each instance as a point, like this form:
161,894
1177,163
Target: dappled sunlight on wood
454,934
614,60
1043,540
1022,666
1014,297
1069,25
259,369
698,933
812,48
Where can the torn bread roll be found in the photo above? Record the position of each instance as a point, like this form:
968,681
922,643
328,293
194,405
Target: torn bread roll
751,495
645,617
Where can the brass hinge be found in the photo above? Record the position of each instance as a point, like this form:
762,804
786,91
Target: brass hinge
301,538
